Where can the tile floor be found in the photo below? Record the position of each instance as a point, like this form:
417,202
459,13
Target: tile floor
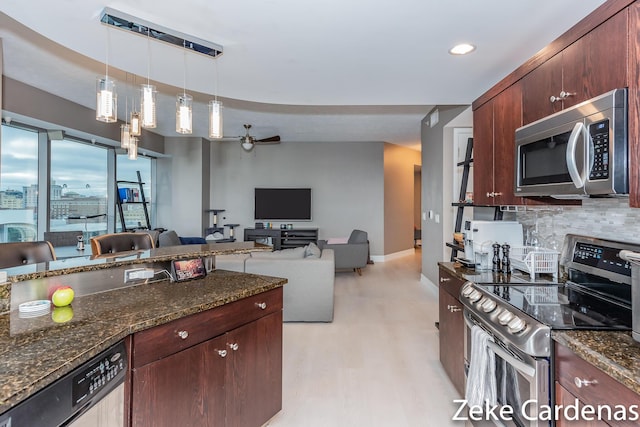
377,363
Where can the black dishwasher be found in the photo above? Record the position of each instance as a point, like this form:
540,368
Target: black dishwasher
68,398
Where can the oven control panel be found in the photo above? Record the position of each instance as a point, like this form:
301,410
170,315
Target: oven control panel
601,257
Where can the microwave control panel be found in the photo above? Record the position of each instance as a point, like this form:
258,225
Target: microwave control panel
599,133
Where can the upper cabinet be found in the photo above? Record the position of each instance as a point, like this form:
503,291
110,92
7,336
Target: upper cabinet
599,54
591,66
494,129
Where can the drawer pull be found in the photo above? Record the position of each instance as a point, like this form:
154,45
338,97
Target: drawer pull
579,382
183,334
261,305
233,346
445,279
222,353
453,308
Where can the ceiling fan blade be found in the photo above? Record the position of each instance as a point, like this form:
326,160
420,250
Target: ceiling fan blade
273,139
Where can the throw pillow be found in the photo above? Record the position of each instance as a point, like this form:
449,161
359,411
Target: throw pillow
293,253
312,251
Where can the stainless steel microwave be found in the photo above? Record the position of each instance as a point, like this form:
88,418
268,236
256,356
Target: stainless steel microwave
577,152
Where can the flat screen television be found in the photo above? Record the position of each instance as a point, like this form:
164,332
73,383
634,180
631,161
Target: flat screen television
283,204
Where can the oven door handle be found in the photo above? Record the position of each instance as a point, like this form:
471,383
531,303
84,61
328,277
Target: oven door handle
527,370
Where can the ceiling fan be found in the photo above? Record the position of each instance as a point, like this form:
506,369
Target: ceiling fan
248,141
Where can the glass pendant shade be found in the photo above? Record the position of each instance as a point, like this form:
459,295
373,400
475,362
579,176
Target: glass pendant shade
133,148
135,128
184,109
215,119
106,100
148,106
125,136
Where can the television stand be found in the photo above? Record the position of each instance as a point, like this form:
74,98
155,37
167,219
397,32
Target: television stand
281,238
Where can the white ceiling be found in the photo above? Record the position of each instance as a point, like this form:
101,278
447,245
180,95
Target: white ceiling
331,70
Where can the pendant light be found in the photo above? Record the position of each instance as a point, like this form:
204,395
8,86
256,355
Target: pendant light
148,94
135,127
125,136
106,97
184,105
133,148
215,111
125,129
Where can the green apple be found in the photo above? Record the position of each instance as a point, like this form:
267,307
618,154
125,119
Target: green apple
62,314
62,296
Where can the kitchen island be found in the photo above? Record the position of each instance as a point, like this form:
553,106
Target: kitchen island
37,351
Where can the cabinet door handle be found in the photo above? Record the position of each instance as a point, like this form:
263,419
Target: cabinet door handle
554,98
579,382
445,279
493,194
565,94
233,346
453,308
183,334
261,305
222,353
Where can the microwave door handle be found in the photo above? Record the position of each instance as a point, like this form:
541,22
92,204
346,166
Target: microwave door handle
572,145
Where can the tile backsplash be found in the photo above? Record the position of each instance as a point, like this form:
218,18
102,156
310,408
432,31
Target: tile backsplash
609,218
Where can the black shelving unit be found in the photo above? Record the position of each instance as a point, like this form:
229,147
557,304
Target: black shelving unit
497,216
130,198
466,165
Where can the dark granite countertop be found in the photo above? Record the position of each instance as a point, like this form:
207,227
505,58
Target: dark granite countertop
90,263
37,351
489,277
615,353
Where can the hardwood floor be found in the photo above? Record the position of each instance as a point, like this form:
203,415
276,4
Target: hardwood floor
377,363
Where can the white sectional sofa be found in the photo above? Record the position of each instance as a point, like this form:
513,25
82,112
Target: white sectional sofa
308,295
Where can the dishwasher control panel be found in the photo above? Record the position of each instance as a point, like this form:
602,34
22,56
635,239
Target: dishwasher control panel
108,368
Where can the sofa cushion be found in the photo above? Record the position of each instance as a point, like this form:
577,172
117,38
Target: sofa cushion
293,253
312,251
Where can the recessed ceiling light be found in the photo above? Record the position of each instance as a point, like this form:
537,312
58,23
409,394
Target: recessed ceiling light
462,49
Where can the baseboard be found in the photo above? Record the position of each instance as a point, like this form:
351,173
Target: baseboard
395,255
431,287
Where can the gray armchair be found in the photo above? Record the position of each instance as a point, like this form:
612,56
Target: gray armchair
352,255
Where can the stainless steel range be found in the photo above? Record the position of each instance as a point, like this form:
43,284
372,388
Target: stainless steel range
519,316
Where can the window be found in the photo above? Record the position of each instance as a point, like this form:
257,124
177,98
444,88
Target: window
126,170
79,179
81,176
18,185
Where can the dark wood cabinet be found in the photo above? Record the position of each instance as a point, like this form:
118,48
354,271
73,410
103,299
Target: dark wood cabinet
591,66
578,379
494,129
565,398
451,329
221,367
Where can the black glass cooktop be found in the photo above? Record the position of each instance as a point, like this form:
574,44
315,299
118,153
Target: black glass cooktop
566,306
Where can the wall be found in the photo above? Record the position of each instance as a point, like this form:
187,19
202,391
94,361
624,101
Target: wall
346,180
399,176
52,112
182,185
434,141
